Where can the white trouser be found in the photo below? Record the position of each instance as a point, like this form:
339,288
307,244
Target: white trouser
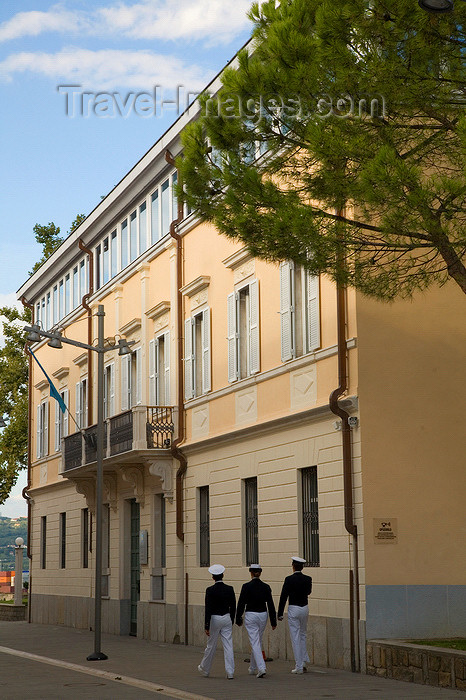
297,621
255,623
219,625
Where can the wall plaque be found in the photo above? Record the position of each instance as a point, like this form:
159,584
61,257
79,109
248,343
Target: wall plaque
385,530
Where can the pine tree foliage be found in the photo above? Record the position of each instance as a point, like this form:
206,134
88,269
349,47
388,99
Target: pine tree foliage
14,373
338,140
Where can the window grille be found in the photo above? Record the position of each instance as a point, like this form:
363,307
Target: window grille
43,542
310,508
251,524
204,526
62,540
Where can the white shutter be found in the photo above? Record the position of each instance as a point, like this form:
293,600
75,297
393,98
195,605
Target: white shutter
78,405
66,399
313,311
125,376
188,359
84,403
152,399
57,426
111,400
286,319
46,429
38,432
166,359
206,371
231,338
138,359
254,345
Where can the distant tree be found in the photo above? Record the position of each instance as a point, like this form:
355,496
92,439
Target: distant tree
339,141
14,373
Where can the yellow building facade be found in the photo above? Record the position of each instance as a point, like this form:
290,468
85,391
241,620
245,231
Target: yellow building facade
220,442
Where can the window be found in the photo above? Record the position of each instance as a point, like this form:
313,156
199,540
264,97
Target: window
81,403
85,539
48,316
142,228
67,294
43,542
131,380
56,310
133,237
166,209
62,540
251,521
155,218
124,243
243,332
114,253
61,420
310,516
42,429
105,549
109,391
76,299
174,197
299,311
204,527
159,370
82,278
197,354
61,295
105,261
159,549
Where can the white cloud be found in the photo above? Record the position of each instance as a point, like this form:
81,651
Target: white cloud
15,506
213,20
107,69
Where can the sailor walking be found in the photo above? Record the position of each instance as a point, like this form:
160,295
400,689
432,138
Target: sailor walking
220,608
296,589
256,599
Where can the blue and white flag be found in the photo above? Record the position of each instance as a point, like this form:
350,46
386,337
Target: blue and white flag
54,393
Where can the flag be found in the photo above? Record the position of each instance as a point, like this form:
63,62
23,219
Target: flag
54,393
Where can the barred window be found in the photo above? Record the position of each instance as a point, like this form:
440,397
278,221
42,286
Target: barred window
251,521
310,517
204,526
43,542
62,540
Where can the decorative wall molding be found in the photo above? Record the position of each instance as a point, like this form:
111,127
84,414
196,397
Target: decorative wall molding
134,476
81,359
42,385
164,470
158,310
131,327
197,285
86,487
238,258
110,489
61,373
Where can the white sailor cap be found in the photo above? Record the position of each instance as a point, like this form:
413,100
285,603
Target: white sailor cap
216,569
255,566
298,559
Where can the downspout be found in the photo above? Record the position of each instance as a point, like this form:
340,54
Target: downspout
175,450
25,491
84,302
350,525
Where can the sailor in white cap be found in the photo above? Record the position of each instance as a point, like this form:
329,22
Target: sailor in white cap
256,599
220,608
296,589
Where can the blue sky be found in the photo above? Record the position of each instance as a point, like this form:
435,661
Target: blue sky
56,165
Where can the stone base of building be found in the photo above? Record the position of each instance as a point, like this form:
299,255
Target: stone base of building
328,638
444,668
12,613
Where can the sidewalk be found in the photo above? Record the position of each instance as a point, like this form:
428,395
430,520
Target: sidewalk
138,669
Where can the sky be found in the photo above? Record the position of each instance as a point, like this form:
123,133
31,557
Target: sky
86,88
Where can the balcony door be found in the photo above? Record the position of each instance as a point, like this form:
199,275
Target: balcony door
134,568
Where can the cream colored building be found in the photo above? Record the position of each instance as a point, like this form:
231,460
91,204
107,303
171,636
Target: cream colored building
220,443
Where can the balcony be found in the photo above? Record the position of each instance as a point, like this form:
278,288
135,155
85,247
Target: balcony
141,429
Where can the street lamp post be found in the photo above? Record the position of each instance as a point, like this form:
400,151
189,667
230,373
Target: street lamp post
56,339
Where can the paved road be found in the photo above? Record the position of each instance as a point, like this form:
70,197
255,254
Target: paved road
40,662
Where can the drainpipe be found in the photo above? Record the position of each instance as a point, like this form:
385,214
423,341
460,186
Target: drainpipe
175,450
350,525
84,302
25,491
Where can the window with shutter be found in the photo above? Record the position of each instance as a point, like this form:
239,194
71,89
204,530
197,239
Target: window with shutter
166,368
299,311
232,338
310,516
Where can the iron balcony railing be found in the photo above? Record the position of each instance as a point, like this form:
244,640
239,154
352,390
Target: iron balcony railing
140,428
